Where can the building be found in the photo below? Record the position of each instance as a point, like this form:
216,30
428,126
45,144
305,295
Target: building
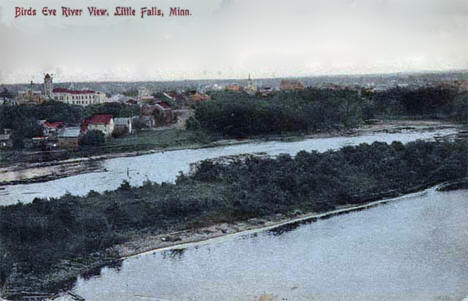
157,114
30,96
234,88
82,97
197,97
251,88
51,128
100,122
123,125
146,99
48,86
291,85
69,138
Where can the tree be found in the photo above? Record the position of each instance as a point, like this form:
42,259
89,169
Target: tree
93,138
461,108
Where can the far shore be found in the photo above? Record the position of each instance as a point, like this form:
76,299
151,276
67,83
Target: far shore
27,173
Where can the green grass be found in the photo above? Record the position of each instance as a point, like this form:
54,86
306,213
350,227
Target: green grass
161,139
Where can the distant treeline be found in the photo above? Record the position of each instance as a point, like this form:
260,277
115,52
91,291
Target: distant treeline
240,114
36,238
23,119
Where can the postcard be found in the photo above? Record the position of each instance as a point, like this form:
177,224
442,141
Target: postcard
258,150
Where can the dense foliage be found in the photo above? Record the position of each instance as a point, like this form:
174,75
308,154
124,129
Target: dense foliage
432,102
38,236
240,114
93,138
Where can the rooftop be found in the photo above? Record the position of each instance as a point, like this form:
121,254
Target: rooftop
64,90
100,119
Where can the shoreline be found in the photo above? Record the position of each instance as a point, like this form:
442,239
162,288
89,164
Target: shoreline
172,240
52,170
212,234
248,227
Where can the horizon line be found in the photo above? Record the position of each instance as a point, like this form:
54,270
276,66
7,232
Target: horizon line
421,72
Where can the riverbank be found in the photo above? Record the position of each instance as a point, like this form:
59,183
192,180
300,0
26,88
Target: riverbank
47,243
26,173
178,240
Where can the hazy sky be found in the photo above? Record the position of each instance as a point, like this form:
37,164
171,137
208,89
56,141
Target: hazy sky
232,38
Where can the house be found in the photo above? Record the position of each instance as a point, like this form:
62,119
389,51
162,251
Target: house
123,125
146,99
291,85
165,112
197,97
51,129
100,122
234,88
5,139
157,114
69,137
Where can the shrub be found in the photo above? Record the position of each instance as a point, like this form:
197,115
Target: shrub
93,138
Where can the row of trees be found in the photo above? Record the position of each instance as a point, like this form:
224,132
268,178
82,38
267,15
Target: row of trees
240,114
38,236
434,102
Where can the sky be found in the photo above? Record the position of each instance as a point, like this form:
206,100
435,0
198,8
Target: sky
232,38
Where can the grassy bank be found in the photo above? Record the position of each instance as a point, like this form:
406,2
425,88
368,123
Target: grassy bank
46,243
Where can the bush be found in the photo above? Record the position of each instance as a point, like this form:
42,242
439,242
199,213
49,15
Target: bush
93,138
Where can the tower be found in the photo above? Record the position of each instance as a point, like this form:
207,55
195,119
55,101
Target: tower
48,85
251,88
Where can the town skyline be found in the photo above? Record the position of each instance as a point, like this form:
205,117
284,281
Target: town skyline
38,77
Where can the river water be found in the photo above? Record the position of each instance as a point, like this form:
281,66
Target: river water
415,248
165,166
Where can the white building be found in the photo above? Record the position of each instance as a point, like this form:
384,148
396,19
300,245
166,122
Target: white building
100,122
83,97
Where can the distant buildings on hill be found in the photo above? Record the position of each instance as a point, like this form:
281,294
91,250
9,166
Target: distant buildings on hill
48,92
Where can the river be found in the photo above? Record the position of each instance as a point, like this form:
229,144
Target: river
165,166
414,248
